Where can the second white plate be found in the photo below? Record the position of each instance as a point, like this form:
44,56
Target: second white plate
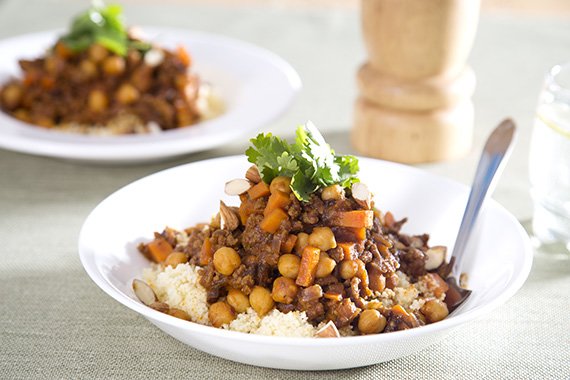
255,85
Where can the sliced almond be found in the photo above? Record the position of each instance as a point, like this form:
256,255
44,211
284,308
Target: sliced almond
328,331
237,186
160,306
229,219
464,280
144,292
362,195
252,174
435,257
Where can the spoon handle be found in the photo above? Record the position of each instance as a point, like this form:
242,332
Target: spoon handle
496,149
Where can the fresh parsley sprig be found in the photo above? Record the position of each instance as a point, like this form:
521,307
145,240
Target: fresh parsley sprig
101,24
310,161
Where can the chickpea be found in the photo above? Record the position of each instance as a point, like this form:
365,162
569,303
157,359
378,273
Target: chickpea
22,114
281,184
43,121
127,94
332,192
348,269
322,238
284,290
371,322
238,300
325,266
179,314
12,95
434,310
261,300
88,69
226,260
288,265
175,258
301,243
220,313
114,65
97,101
97,53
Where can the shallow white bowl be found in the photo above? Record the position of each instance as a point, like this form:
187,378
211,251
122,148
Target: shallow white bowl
255,85
499,261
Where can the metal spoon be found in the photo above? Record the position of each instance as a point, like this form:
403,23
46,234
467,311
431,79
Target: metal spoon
491,163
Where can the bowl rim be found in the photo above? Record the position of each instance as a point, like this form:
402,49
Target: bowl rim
514,284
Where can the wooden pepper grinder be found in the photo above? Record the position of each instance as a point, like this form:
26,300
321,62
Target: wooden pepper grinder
415,90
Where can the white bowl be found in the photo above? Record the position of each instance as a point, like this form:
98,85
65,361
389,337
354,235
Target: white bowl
256,86
499,261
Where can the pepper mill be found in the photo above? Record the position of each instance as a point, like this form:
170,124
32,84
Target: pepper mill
415,90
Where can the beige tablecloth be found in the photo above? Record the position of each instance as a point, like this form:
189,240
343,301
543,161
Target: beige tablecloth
56,324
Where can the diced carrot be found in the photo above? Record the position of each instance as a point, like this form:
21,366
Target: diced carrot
308,267
183,55
354,219
360,233
47,83
363,275
288,244
259,190
244,211
30,78
333,296
63,50
399,310
277,199
206,253
272,221
159,249
348,249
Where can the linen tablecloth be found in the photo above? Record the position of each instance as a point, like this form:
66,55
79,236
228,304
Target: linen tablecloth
56,324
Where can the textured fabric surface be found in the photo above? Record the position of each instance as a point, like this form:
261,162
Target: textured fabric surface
56,324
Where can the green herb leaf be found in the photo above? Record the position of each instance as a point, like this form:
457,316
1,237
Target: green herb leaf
310,161
99,24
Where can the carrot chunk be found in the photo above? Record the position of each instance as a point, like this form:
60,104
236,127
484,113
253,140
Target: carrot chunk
308,267
272,221
245,210
360,233
354,219
277,199
348,250
259,190
364,280
333,296
206,253
159,249
288,244
183,55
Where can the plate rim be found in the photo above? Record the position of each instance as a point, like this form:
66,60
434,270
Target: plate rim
88,148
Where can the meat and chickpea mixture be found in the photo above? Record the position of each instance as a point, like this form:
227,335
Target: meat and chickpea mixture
306,253
101,78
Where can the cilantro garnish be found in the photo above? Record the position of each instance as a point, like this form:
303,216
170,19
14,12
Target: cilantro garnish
310,161
101,24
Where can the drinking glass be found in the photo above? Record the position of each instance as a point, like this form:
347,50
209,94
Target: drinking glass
549,161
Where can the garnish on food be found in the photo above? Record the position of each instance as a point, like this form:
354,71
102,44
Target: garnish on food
104,25
102,78
309,161
305,252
